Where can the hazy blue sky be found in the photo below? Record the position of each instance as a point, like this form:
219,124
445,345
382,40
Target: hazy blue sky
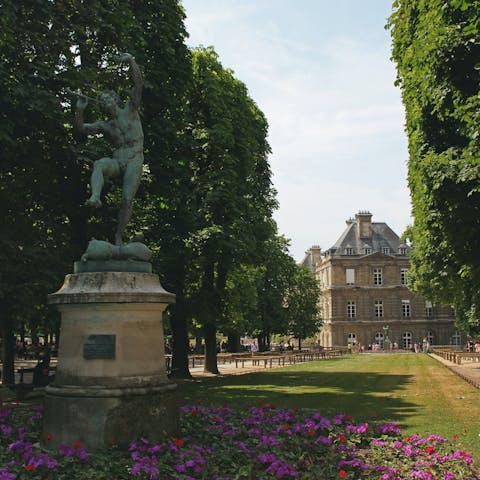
320,71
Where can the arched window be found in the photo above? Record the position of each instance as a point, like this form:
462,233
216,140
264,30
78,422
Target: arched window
352,338
430,338
379,339
407,340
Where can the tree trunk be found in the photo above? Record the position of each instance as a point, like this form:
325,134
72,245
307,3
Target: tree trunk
233,343
180,350
210,349
264,342
199,348
299,343
8,352
34,332
22,333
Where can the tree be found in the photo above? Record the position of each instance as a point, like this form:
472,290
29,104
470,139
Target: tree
278,269
436,47
232,188
302,305
46,47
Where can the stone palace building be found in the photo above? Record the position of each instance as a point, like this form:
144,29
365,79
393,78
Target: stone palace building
364,297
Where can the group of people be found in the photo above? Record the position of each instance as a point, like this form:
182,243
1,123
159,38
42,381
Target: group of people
473,346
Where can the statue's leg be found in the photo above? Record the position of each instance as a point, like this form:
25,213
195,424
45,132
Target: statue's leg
105,167
131,181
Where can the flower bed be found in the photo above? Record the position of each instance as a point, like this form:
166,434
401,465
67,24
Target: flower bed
218,443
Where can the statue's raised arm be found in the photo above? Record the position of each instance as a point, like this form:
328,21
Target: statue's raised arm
137,79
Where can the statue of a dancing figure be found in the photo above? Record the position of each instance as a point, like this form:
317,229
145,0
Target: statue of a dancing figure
124,132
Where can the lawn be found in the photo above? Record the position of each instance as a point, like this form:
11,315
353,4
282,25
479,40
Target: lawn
273,439
413,390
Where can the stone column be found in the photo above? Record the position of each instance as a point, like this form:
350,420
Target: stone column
111,382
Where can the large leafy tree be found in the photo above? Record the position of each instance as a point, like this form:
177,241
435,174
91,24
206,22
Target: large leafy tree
46,47
302,305
278,270
436,46
232,188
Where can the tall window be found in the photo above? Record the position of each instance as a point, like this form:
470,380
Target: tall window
456,339
403,276
379,339
428,309
377,276
407,340
406,308
352,338
379,308
430,337
350,276
351,309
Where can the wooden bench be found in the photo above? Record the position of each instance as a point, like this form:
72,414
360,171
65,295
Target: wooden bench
22,388
468,356
258,359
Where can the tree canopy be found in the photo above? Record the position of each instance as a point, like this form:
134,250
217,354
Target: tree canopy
436,46
45,48
206,199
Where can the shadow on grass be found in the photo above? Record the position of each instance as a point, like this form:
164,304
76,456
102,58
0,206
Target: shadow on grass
361,395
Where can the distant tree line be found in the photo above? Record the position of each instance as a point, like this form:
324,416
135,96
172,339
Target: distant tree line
436,46
206,201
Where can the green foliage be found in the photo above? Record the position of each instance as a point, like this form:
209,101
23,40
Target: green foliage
46,47
206,200
231,195
302,304
276,280
436,47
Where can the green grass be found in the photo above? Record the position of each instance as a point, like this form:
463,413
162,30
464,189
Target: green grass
413,390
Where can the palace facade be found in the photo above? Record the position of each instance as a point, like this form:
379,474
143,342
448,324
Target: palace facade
364,296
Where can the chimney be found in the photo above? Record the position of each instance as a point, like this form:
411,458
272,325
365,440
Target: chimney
364,224
316,252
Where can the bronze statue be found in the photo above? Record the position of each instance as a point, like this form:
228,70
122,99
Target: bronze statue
124,132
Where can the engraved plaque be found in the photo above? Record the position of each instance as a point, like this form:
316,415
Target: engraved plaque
98,347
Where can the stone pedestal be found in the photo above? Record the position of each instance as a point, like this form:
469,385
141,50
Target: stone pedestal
111,382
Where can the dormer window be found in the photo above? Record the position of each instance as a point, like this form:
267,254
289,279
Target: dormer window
385,250
402,251
367,250
349,251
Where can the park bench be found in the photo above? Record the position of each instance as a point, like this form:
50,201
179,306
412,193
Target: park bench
258,359
24,387
466,356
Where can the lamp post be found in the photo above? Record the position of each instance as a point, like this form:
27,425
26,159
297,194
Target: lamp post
386,341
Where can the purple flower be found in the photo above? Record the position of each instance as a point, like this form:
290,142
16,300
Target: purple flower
66,451
6,475
5,429
324,440
181,468
82,454
389,428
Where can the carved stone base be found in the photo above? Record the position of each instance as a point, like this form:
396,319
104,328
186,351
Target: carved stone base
111,381
97,416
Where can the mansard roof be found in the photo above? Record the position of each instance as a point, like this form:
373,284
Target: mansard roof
382,237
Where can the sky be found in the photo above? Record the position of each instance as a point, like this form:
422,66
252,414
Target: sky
320,71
